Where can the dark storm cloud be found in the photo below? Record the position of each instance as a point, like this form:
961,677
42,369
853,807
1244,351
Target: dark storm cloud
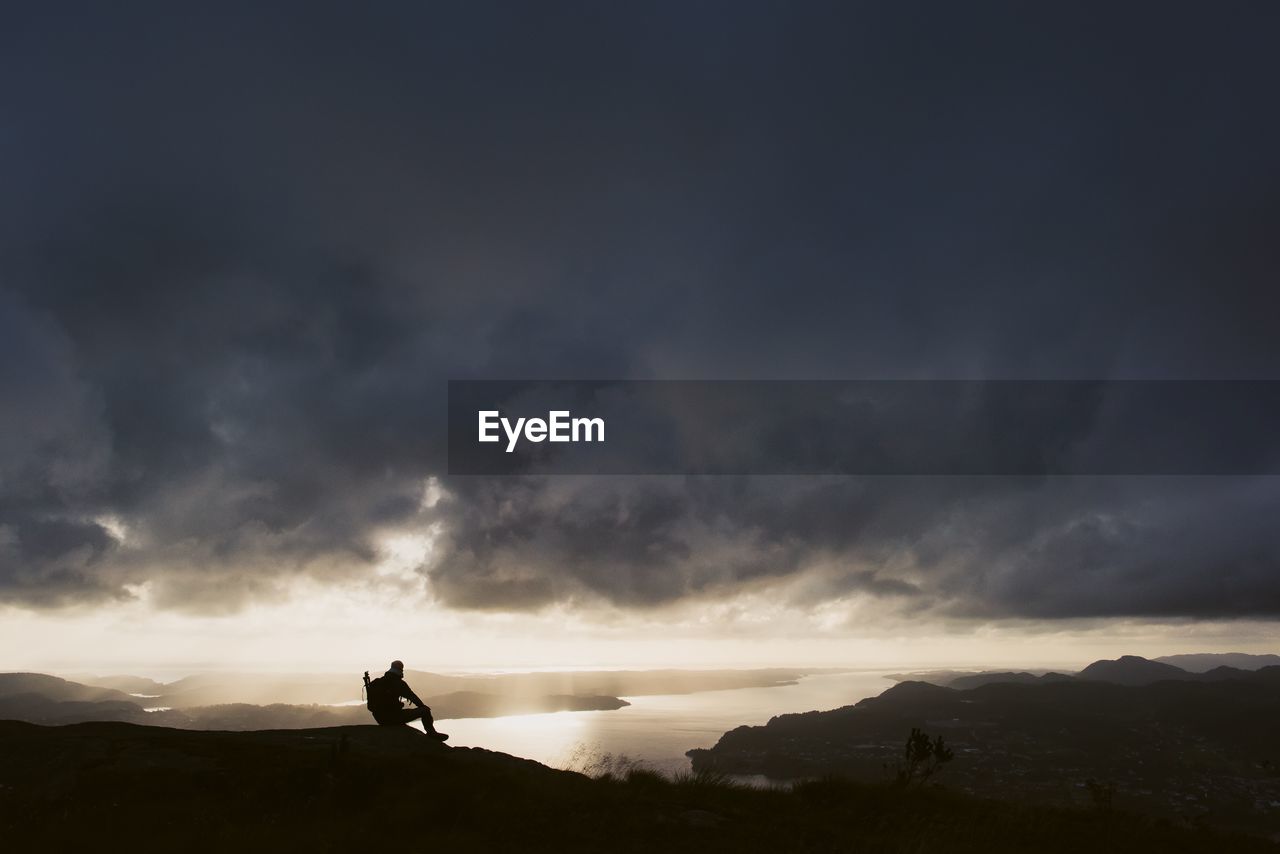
242,249
971,547
53,453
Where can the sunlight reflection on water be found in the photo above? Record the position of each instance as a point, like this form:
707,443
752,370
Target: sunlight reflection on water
657,730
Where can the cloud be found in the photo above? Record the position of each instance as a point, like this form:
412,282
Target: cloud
54,447
233,285
986,548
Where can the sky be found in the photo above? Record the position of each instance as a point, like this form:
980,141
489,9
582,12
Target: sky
243,249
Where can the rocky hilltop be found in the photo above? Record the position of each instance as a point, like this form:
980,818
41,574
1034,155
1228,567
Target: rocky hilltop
118,786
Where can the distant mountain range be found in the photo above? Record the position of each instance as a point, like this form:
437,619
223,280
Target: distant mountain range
1134,670
1125,670
1022,678
1199,662
60,690
218,688
137,685
42,699
247,701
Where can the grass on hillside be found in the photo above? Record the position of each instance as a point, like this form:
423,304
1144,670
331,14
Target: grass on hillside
220,792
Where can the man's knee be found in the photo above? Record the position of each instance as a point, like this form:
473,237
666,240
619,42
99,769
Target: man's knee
397,718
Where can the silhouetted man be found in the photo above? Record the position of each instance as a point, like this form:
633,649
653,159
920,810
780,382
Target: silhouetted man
385,695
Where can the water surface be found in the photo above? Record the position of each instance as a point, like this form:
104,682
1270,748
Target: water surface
656,730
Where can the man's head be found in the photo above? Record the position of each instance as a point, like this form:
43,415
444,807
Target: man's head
398,666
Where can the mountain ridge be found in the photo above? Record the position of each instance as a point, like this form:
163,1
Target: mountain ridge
1125,670
1182,748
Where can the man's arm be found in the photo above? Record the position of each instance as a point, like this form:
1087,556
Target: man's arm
412,697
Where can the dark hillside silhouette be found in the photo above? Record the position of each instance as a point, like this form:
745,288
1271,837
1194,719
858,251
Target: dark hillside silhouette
1196,750
94,787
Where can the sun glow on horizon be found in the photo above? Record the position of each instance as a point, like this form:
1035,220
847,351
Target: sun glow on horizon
357,626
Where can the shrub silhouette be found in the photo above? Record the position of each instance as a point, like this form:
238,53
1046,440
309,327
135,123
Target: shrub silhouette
603,765
704,778
922,758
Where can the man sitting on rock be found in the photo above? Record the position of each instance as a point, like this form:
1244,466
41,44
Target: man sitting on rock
384,700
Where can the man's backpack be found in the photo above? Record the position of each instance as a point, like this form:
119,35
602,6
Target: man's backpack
380,695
